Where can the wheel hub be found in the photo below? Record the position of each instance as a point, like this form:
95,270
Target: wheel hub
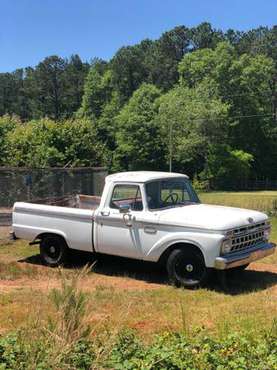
189,268
52,249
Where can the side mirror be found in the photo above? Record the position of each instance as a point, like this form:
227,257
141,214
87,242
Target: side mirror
124,208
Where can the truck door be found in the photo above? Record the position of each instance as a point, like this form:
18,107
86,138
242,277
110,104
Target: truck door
116,227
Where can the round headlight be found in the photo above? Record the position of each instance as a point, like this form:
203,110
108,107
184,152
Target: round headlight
267,233
226,246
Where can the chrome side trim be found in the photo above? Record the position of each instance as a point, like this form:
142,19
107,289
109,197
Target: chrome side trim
244,257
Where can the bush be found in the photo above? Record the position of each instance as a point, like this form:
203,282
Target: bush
226,168
167,351
177,351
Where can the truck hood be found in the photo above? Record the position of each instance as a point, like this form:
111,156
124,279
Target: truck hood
212,217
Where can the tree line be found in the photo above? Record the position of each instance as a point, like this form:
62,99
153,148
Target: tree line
199,97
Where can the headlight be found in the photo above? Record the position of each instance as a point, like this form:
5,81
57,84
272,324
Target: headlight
226,246
267,233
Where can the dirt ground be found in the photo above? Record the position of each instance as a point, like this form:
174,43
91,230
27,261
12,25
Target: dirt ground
4,233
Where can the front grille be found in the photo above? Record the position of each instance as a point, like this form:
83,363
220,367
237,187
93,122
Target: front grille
248,236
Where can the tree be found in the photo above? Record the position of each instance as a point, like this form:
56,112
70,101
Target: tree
204,36
43,143
106,125
244,82
163,56
129,70
49,78
194,120
13,99
7,124
226,168
139,140
97,91
74,76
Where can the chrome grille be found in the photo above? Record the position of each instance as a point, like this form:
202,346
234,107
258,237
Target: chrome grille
248,236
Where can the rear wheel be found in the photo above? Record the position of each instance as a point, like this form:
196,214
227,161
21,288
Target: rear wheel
186,267
53,250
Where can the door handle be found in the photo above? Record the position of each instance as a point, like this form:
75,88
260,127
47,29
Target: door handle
105,213
127,218
150,230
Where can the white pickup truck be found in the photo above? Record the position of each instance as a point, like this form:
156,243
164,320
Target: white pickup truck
150,216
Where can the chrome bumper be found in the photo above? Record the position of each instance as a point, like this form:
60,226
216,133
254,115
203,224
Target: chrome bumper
244,257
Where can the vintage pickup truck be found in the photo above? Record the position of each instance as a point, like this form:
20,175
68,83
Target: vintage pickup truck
150,216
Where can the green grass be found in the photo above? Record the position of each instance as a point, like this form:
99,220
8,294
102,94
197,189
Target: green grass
265,201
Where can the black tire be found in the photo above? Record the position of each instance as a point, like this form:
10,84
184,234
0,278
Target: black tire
186,268
53,251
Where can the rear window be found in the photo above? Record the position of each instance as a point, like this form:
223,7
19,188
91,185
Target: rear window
127,195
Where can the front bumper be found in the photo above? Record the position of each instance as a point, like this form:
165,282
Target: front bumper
244,257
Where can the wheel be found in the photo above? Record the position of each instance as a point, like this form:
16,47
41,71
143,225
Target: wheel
186,267
53,251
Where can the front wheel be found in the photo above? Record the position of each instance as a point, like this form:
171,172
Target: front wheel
186,267
53,251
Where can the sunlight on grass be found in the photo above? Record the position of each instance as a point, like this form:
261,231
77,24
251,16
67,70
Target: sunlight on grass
265,201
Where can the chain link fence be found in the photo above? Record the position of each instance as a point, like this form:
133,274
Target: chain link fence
23,184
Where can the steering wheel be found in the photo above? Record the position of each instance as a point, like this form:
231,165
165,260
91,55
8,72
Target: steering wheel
173,196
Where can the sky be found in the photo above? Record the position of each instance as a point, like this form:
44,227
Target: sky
31,30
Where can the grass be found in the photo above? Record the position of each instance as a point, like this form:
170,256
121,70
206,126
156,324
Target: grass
265,201
122,294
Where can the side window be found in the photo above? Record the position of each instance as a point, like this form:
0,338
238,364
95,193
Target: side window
127,194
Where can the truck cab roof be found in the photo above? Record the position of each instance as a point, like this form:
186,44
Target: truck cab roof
142,176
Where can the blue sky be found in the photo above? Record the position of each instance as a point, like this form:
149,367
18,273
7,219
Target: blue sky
33,29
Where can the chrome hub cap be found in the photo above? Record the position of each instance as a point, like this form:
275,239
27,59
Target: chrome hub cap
189,268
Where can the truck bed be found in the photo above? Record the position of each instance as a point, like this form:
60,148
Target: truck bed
81,201
71,218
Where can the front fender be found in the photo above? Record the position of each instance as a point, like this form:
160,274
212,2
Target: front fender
208,243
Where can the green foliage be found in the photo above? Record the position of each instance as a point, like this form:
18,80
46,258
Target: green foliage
244,82
53,88
195,120
227,168
177,351
139,139
97,92
7,124
167,351
45,143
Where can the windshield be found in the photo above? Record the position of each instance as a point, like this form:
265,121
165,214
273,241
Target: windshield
170,193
